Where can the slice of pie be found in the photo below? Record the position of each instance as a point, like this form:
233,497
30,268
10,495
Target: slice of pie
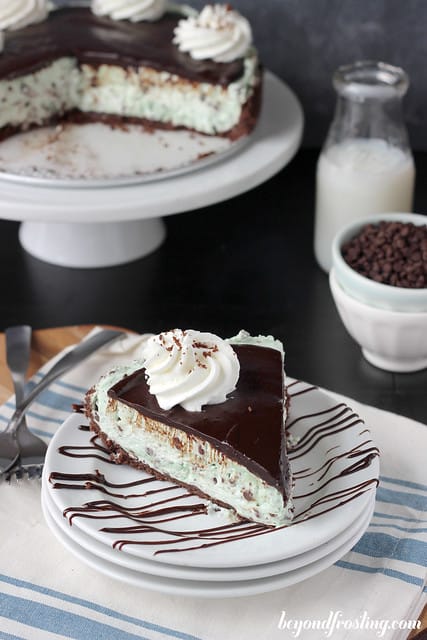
205,413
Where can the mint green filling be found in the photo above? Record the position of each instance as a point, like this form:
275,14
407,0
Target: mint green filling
143,93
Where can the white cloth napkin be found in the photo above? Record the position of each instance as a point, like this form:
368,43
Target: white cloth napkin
47,593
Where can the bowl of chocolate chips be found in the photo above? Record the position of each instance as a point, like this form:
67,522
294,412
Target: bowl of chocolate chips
379,284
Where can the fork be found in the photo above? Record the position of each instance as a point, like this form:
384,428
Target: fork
31,449
9,448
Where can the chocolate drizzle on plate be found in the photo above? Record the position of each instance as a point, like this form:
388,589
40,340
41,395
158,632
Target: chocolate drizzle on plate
93,450
147,512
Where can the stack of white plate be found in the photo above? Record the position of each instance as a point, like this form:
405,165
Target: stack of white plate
152,534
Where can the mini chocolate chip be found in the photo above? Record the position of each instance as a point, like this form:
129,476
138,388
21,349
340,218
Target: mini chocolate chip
177,443
393,253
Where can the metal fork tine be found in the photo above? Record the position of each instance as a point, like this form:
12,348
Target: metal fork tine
18,472
35,471
21,472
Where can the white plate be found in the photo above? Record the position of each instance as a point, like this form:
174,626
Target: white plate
268,149
334,447
74,155
200,588
129,210
104,552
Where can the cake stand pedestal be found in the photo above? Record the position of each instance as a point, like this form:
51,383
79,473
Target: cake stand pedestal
106,226
87,245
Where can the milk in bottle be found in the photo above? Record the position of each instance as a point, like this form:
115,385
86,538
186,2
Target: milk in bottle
366,165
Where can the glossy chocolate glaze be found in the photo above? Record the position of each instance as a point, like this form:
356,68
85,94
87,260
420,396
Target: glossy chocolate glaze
96,40
248,427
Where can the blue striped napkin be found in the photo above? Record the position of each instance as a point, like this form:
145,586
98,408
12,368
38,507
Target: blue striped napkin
46,593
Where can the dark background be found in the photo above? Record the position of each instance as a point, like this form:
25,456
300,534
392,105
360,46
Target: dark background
303,41
245,263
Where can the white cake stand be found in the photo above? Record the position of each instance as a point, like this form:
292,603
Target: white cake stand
106,226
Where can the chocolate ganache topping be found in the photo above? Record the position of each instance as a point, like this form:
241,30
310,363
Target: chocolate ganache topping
239,427
99,40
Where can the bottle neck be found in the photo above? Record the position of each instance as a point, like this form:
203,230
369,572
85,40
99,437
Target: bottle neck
369,118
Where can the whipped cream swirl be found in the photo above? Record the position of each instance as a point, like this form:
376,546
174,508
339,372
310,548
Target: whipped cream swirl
189,368
133,10
16,14
218,32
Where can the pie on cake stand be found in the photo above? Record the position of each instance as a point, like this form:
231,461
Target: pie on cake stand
83,208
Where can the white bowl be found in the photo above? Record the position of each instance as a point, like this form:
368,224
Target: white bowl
366,290
391,340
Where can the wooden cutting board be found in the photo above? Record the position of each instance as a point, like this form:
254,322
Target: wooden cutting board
48,342
45,344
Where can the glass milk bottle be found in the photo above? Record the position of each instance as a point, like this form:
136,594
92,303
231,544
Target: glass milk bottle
366,165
